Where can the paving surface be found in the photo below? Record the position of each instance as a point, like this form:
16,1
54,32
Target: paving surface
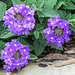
50,70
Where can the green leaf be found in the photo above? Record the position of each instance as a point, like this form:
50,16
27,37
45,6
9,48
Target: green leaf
49,4
3,7
32,56
31,3
73,1
72,26
40,3
25,42
72,20
40,26
1,27
41,19
42,41
59,3
22,41
69,6
6,34
68,17
36,34
47,9
38,48
61,13
2,45
16,2
47,13
24,36
9,3
55,46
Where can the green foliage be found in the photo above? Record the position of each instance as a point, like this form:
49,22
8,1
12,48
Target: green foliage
2,45
40,26
32,56
71,17
38,47
3,7
25,42
9,3
69,6
16,2
6,34
43,42
55,46
59,4
36,34
44,9
73,1
1,27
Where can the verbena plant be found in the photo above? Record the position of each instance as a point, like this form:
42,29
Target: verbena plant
37,30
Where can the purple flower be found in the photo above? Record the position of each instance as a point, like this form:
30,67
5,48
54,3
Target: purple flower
20,19
57,31
15,55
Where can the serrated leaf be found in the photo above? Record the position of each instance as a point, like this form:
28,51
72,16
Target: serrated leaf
40,26
55,46
46,13
68,17
73,1
59,3
2,45
36,34
40,3
3,7
9,3
31,3
69,6
25,42
16,2
1,27
38,48
41,19
61,13
6,34
49,4
22,41
32,56
72,26
42,41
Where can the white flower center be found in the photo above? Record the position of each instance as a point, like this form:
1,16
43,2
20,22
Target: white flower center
26,57
11,22
9,59
67,32
15,45
5,52
17,64
51,37
28,18
10,49
8,67
59,41
60,23
48,32
29,12
20,7
24,50
52,23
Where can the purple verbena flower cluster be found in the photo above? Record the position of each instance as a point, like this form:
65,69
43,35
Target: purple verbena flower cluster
57,31
20,19
15,55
